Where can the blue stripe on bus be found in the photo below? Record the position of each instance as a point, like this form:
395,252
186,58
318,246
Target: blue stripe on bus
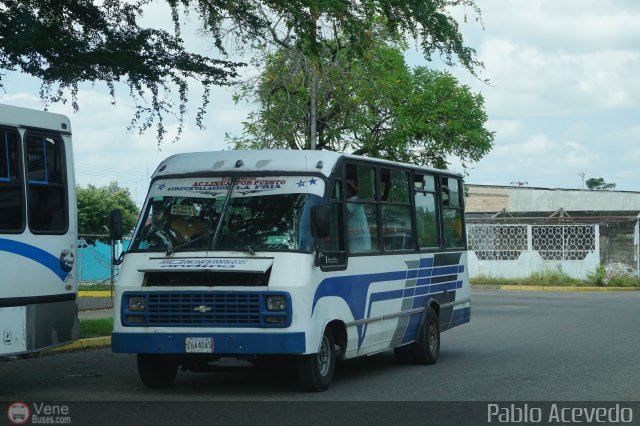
36,254
412,328
460,316
354,289
426,262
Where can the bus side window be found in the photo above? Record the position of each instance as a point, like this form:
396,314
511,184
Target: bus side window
452,213
426,211
48,209
332,248
11,194
361,208
335,241
396,210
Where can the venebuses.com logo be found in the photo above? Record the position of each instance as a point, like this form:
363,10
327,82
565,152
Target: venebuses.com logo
18,413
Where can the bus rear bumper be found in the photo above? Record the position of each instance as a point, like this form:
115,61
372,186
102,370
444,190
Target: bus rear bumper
221,343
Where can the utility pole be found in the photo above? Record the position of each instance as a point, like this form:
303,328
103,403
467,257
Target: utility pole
582,175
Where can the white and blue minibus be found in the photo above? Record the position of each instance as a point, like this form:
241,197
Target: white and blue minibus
38,232
312,256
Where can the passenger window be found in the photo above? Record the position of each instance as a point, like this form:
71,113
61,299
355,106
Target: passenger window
361,208
426,213
396,210
394,186
11,193
46,178
453,229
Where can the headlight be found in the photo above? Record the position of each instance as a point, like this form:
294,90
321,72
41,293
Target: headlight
276,303
137,303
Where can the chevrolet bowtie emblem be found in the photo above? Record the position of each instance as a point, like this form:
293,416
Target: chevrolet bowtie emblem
202,309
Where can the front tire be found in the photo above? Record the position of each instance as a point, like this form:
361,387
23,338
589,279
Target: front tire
315,371
155,371
426,348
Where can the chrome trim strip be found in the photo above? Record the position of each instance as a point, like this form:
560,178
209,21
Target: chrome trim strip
403,313
456,303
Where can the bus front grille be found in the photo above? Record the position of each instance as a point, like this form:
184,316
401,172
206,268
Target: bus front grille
203,309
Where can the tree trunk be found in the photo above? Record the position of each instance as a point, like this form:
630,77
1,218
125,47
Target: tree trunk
313,114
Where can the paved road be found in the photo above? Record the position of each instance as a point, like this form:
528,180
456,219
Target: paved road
90,303
527,346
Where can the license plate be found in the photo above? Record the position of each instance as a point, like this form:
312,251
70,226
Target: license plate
199,345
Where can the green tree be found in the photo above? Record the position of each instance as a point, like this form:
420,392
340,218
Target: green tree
65,43
94,205
598,184
374,105
68,42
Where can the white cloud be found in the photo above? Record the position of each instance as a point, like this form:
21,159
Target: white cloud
564,99
566,72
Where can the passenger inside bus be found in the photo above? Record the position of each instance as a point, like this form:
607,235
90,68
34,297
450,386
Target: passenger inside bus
357,224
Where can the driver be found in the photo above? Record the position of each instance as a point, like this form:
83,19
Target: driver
153,233
186,223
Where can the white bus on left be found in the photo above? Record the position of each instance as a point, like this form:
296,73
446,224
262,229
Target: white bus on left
38,232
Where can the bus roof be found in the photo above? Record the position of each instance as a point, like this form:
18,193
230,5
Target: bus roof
267,160
27,117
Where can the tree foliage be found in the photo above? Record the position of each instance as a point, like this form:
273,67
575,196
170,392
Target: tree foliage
94,205
374,105
598,184
68,42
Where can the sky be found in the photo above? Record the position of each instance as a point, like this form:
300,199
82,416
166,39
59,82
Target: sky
563,99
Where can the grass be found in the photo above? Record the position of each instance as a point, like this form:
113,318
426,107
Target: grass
557,278
94,287
624,282
96,327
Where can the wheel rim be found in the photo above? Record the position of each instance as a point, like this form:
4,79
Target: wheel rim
433,337
324,357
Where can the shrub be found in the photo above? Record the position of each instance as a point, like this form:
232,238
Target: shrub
597,277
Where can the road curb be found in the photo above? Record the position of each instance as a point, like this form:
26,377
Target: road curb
95,293
91,342
550,288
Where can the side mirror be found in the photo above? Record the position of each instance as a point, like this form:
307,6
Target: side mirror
115,225
320,221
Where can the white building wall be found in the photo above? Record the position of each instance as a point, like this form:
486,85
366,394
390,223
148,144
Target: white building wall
580,256
485,198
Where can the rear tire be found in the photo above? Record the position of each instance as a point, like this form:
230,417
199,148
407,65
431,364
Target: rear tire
426,348
155,371
315,371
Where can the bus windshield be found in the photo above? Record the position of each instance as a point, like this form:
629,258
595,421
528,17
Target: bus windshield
247,214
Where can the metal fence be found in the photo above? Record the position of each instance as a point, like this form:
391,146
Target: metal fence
515,251
94,272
